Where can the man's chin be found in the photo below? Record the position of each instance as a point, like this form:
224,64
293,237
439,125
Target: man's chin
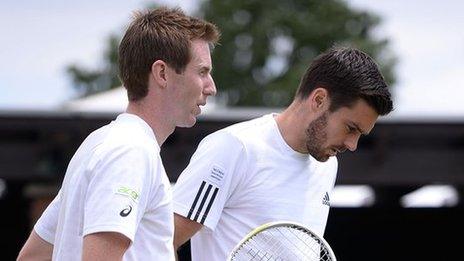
321,158
188,124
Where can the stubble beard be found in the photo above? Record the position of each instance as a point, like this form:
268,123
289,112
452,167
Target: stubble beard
316,136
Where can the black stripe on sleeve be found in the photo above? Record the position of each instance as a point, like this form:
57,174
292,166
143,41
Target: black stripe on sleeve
196,199
209,205
203,202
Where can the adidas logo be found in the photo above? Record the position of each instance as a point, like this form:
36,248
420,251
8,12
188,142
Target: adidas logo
326,199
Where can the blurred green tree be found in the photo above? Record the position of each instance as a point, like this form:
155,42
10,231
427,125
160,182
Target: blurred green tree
266,46
88,82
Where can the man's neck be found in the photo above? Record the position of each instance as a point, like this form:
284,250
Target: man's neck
154,117
292,127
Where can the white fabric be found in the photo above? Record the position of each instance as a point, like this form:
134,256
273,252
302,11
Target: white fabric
114,183
244,176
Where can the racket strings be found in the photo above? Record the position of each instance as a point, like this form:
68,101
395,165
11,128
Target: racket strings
258,245
283,243
313,243
310,244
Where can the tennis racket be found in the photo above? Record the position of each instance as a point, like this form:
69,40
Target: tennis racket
282,241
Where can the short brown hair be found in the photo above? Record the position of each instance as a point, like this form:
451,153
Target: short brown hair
347,74
158,34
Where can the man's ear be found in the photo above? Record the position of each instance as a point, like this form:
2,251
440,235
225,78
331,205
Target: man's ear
159,73
319,99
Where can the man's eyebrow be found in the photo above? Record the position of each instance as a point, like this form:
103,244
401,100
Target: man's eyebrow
205,67
365,133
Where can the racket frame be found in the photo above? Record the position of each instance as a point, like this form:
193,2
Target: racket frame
270,225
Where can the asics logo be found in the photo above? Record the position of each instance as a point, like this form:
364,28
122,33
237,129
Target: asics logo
125,212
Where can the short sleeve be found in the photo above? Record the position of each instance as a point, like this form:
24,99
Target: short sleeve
47,223
203,188
119,190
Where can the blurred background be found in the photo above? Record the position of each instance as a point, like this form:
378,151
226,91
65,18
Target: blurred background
399,197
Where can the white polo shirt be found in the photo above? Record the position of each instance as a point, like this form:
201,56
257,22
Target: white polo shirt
244,176
115,182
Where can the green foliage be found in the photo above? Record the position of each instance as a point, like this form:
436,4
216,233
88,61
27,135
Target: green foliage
88,82
266,46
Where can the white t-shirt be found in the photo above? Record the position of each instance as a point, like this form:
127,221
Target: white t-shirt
114,183
244,176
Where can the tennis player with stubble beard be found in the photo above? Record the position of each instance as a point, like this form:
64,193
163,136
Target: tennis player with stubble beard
115,201
280,166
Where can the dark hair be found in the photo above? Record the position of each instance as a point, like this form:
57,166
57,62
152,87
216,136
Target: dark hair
347,74
159,34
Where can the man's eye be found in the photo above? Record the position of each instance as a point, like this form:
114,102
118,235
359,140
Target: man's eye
204,71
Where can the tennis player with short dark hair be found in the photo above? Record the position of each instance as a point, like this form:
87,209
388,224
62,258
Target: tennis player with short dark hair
280,166
115,201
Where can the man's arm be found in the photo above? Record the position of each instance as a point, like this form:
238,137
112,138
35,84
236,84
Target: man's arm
184,230
211,168
36,249
104,246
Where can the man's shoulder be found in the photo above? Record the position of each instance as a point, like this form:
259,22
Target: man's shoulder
113,143
247,130
128,135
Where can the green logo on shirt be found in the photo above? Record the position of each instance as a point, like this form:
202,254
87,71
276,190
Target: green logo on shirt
123,190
